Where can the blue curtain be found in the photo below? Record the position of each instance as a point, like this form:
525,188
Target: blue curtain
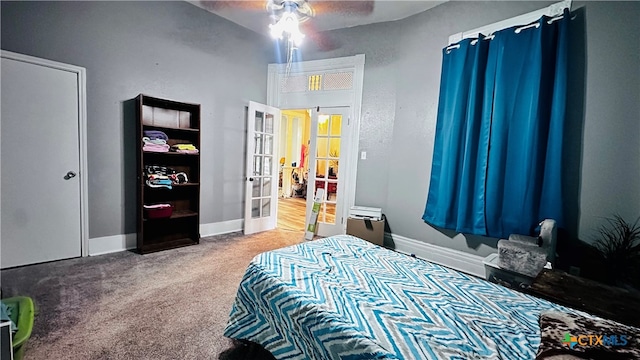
496,166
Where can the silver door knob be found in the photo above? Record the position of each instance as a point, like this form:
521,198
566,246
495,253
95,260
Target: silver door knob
70,174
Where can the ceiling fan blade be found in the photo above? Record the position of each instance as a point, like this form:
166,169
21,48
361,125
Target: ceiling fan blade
243,5
345,7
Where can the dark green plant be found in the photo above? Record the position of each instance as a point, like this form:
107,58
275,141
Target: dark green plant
619,244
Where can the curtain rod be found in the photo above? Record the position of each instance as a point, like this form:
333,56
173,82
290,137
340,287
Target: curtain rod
552,10
517,31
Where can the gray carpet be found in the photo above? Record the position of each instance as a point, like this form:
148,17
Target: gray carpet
171,304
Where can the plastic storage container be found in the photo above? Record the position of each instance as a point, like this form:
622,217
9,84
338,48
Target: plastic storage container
504,277
158,211
22,314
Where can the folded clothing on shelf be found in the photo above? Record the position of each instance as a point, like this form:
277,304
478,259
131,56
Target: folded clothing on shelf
158,170
184,148
155,134
164,176
147,140
154,145
179,178
156,181
158,176
187,151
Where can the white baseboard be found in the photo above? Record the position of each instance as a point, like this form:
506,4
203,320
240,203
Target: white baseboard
110,244
222,227
455,259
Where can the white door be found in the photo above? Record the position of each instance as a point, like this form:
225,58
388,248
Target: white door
261,195
40,196
328,154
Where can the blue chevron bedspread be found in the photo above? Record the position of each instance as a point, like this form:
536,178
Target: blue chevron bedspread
344,298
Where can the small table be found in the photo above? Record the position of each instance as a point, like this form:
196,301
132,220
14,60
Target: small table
587,295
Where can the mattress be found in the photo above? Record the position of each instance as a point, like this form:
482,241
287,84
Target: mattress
344,298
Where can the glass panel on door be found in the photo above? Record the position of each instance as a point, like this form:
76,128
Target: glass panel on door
328,142
261,168
262,165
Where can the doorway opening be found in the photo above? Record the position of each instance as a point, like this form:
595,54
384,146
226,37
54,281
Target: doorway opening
313,146
332,90
293,148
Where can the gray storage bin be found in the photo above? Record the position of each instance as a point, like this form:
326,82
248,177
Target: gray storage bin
504,277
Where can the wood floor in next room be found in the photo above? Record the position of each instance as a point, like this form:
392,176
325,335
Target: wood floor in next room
291,213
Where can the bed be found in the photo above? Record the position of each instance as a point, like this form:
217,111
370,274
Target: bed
344,298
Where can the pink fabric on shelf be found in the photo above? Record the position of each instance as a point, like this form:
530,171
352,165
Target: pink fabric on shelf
154,145
155,148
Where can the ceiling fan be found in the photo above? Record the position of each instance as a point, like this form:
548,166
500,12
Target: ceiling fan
294,20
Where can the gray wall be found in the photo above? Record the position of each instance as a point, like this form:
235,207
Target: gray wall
379,43
407,65
179,51
611,151
165,49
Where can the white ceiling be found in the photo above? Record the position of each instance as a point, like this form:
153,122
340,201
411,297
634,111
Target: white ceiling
383,10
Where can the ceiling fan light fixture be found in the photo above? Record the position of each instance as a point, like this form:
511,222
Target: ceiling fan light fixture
288,24
275,31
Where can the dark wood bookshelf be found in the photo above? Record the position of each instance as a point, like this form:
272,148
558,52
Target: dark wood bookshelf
180,121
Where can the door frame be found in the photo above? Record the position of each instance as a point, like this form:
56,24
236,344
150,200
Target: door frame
337,98
81,74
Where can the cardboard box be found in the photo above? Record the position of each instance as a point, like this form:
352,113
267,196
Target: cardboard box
370,230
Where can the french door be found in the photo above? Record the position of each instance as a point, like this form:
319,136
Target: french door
329,151
261,189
